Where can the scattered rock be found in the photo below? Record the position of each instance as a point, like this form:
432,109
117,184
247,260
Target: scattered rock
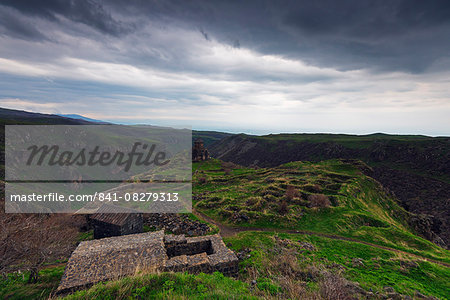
419,295
283,242
394,296
376,266
307,246
410,264
308,275
370,295
355,288
357,262
243,254
336,266
239,217
389,289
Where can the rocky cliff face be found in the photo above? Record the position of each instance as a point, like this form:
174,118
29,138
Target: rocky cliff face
430,156
415,169
427,197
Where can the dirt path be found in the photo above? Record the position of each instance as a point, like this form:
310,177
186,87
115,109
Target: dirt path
227,231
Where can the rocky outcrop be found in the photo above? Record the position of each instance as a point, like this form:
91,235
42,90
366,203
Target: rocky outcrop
427,226
428,199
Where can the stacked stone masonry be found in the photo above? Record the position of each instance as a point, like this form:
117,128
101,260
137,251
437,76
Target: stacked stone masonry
115,257
199,152
111,220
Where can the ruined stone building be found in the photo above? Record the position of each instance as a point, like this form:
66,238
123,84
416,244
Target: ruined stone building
115,257
110,220
199,152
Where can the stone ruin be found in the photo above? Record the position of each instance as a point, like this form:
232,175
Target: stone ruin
199,152
110,220
111,258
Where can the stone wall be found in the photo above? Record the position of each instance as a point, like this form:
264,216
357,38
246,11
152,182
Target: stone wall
103,230
111,258
132,224
183,247
200,254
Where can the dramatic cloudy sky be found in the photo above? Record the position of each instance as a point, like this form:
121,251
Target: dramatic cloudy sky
241,66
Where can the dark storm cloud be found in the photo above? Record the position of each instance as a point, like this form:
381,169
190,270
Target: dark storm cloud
86,12
405,35
367,19
382,35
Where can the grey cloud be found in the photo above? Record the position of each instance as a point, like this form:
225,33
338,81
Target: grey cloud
16,27
86,12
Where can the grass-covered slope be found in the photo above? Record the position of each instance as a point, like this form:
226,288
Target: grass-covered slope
16,286
303,267
169,286
416,168
354,205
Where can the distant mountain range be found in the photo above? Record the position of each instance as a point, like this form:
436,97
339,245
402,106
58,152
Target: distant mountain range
80,117
12,116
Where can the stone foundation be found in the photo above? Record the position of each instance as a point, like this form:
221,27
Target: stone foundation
202,254
115,257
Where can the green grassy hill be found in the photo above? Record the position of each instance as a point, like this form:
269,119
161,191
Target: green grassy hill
416,168
358,206
360,220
